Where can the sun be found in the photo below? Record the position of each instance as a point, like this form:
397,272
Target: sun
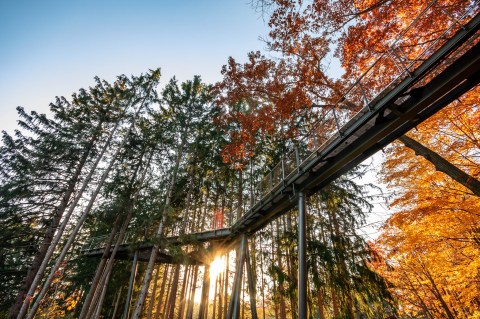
217,266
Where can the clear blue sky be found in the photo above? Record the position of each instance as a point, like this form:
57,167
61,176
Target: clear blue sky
53,48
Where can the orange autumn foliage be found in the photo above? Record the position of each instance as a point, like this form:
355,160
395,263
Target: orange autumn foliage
263,96
432,242
305,38
364,41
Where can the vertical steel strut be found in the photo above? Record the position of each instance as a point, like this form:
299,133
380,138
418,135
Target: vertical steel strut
251,283
234,306
205,291
302,257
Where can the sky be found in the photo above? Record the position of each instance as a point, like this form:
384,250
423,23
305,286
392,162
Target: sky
53,48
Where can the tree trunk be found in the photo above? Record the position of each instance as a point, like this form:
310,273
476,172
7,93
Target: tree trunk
437,294
240,195
103,275
263,280
292,275
169,286
205,208
173,294
416,293
191,300
156,246
100,302
220,296
203,311
340,259
442,165
214,307
102,270
117,302
336,309
57,216
154,292
281,290
225,291
68,244
65,249
186,277
162,292
53,243
321,309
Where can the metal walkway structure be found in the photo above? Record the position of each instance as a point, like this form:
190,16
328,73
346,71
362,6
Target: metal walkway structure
220,238
422,79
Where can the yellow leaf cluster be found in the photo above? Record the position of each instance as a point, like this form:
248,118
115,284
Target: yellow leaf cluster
432,241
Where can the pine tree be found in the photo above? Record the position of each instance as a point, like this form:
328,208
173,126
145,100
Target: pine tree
186,106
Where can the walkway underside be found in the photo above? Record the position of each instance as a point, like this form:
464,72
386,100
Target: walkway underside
143,254
218,240
428,89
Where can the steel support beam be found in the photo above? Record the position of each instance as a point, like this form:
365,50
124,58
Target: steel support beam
202,312
251,283
302,257
234,306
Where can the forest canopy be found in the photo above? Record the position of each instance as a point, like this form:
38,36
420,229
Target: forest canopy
100,200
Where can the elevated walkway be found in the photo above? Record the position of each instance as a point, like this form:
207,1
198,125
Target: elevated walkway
362,122
449,72
217,239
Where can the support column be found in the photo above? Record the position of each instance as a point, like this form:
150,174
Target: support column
130,286
202,312
251,283
302,257
234,307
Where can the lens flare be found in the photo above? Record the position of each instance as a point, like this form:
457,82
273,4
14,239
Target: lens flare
216,267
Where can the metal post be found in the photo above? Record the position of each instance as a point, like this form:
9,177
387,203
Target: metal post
251,283
232,298
252,197
405,68
364,96
302,257
297,156
234,307
204,296
336,122
241,260
130,286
